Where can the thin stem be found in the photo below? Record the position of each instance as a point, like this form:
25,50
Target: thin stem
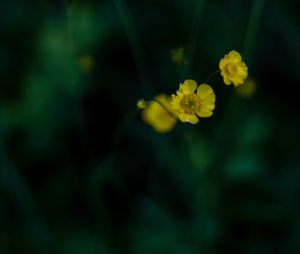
15,185
195,29
70,9
193,36
134,41
211,75
252,30
165,108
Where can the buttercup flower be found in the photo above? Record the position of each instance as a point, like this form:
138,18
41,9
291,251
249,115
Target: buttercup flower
159,114
233,69
247,89
189,104
141,104
177,56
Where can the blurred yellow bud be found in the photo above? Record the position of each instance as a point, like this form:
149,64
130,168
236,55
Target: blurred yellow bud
141,104
159,114
86,63
247,89
177,56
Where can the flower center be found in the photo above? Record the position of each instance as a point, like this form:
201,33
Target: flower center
190,103
230,69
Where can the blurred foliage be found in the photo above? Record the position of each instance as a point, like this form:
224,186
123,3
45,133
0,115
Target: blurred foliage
80,172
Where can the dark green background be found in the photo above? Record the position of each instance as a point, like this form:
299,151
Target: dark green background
81,173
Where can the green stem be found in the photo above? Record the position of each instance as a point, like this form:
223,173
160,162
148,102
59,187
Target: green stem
134,41
15,185
195,29
165,108
69,12
252,30
193,36
211,75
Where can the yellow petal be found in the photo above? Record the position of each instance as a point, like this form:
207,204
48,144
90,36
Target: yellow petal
208,103
238,81
175,103
243,71
235,56
242,65
204,90
186,118
226,81
204,112
164,127
222,63
189,86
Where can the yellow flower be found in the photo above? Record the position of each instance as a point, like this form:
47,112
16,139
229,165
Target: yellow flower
141,104
86,63
233,69
178,56
189,104
159,114
247,89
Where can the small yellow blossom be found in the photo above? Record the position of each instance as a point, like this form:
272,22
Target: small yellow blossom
177,56
247,89
189,104
141,104
233,69
86,63
159,114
